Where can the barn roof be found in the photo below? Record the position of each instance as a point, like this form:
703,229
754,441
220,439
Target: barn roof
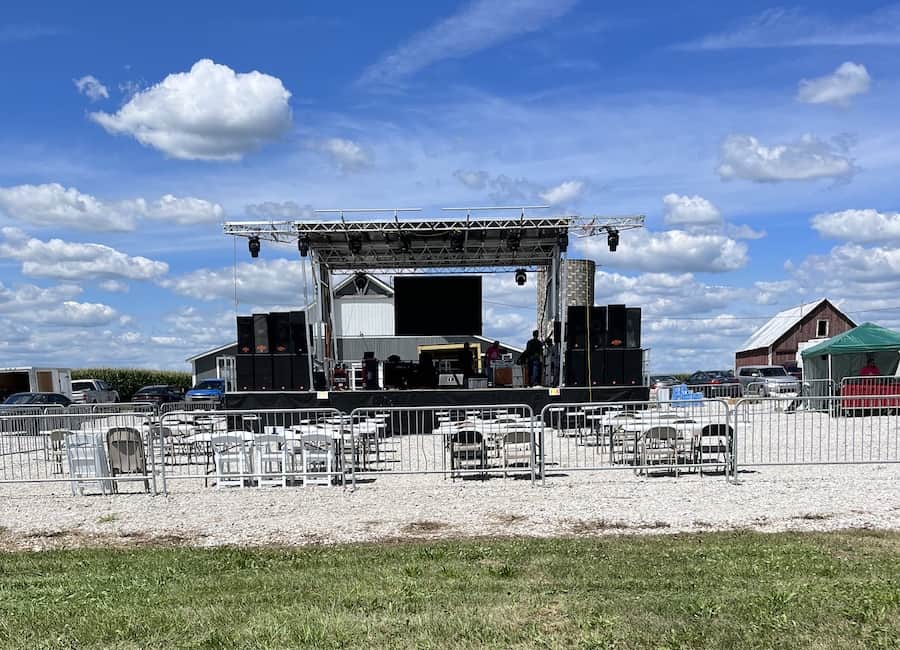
780,324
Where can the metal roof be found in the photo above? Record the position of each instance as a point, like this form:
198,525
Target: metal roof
779,324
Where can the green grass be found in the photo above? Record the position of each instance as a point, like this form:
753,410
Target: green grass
737,590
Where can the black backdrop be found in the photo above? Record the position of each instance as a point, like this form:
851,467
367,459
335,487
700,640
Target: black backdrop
437,305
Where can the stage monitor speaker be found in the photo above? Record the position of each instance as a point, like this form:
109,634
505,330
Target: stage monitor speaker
597,338
245,334
261,333
576,327
298,332
244,372
280,333
613,366
262,372
633,327
576,368
370,372
633,367
615,326
300,372
281,372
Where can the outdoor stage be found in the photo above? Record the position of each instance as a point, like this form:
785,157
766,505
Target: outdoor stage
346,401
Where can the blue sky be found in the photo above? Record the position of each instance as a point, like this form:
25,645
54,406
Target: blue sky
761,142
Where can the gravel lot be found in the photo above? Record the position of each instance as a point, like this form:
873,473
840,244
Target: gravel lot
776,498
772,499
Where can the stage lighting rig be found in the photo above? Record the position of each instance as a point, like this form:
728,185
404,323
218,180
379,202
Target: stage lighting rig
512,241
253,245
612,240
521,277
355,244
405,243
303,245
457,241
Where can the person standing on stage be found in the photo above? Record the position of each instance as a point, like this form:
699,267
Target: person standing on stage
491,355
466,362
534,358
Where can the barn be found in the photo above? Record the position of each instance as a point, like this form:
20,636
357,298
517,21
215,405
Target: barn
779,340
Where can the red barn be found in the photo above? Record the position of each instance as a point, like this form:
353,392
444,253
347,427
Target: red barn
777,341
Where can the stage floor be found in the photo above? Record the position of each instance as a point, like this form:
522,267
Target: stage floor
346,401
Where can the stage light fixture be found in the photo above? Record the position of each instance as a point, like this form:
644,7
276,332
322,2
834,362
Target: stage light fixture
405,243
355,244
457,241
612,240
253,245
303,245
360,281
521,277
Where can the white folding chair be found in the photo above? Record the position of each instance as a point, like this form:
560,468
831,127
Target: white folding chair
87,462
318,459
232,458
271,459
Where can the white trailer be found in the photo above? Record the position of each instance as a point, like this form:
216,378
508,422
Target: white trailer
35,380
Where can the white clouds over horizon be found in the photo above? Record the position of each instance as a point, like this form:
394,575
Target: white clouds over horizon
208,113
858,226
348,155
564,193
848,80
808,158
690,210
52,205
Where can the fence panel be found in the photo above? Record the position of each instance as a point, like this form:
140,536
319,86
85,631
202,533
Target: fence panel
193,405
814,430
244,448
451,441
646,437
90,452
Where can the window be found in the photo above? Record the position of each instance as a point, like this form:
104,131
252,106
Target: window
821,329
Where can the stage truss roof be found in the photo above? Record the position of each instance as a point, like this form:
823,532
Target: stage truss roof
483,243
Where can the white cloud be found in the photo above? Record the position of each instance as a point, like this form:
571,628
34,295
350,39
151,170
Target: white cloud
837,88
690,210
664,294
481,24
792,28
671,251
30,298
52,205
208,113
473,179
79,314
283,210
743,156
742,231
348,155
860,226
76,262
90,87
114,286
52,306
261,282
565,192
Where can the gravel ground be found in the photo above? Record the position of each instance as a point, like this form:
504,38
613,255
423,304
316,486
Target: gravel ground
39,517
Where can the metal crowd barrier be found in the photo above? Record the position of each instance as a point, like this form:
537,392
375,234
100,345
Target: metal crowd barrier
245,448
193,405
90,452
645,437
451,441
812,430
714,391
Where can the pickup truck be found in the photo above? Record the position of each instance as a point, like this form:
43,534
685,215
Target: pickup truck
92,391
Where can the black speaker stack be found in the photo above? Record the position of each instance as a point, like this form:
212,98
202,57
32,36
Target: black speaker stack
603,346
272,352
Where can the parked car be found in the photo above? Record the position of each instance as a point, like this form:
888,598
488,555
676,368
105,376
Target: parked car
767,380
206,390
158,394
794,370
663,381
92,391
36,399
715,383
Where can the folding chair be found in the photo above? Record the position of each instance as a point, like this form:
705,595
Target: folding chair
659,446
231,456
318,459
467,451
126,454
271,459
517,451
87,461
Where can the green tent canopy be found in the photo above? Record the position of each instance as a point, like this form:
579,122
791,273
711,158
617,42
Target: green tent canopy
845,354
